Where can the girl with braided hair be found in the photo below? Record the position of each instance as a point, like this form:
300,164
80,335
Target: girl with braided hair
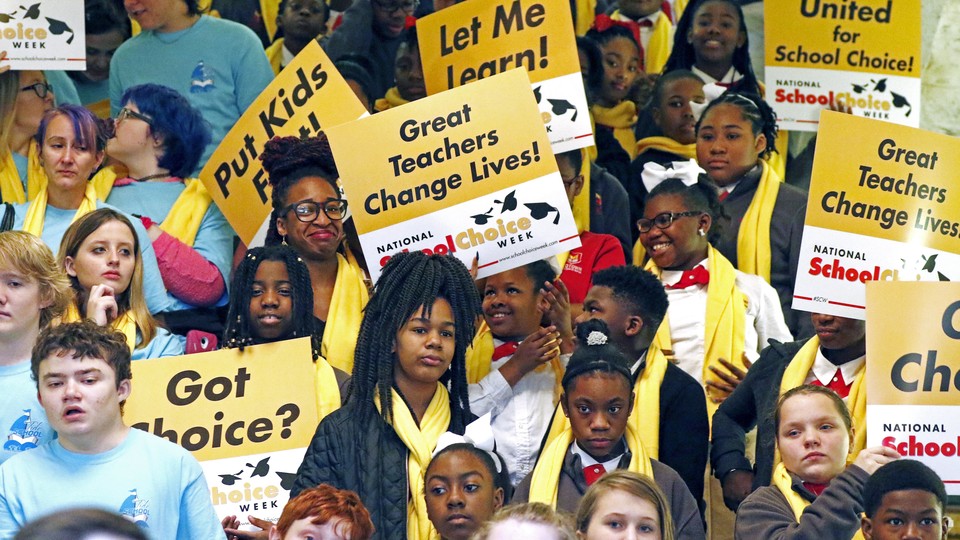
409,386
308,213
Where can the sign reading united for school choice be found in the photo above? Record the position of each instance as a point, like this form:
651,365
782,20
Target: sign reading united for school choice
864,54
224,407
913,378
43,34
308,96
883,204
474,40
463,172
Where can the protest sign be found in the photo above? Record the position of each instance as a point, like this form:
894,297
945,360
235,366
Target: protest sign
309,95
464,172
43,34
863,54
882,206
246,416
474,40
913,377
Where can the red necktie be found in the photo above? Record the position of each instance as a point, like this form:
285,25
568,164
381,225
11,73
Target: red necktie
502,351
592,473
723,195
836,384
698,276
645,23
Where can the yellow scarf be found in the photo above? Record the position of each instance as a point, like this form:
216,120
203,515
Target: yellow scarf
100,108
420,441
621,118
725,325
275,55
783,482
795,375
350,295
658,49
183,219
545,482
328,392
123,323
389,101
586,12
666,144
480,358
11,187
269,10
753,238
37,211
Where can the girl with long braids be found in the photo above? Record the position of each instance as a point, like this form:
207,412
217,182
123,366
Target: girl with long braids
409,386
308,213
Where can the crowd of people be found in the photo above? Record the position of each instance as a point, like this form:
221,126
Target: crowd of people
652,383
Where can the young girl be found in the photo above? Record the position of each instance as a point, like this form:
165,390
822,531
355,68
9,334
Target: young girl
409,386
734,135
101,254
597,399
621,503
531,521
24,98
814,493
614,110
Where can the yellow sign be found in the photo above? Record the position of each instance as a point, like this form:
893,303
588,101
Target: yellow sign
227,403
308,96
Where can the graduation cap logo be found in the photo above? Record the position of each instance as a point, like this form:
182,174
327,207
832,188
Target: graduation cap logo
482,219
261,468
230,479
32,13
901,102
509,202
286,479
540,210
558,107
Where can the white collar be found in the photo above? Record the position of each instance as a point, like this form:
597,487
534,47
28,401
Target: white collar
824,370
587,460
730,77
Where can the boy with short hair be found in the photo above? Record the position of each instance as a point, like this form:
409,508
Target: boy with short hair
83,379
904,499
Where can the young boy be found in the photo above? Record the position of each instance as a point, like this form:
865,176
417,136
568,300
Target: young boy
83,379
323,512
904,499
301,22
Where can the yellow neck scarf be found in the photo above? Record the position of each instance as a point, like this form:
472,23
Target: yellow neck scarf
783,482
328,392
11,187
269,10
545,482
658,49
586,12
100,108
621,118
389,101
183,219
480,358
725,325
350,295
666,144
275,55
420,441
104,179
795,375
37,211
753,238
123,323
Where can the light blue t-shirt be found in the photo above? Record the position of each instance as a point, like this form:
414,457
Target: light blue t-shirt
218,65
57,221
154,199
163,344
21,416
149,480
64,91
92,92
23,168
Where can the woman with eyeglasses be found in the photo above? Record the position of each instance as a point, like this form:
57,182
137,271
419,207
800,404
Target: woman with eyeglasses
719,318
308,214
24,97
159,138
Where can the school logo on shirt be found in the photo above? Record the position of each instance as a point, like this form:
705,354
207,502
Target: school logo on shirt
136,509
24,433
201,81
573,262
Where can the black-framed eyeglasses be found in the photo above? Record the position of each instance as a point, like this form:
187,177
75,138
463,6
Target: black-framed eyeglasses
407,6
567,182
664,220
307,210
127,113
41,89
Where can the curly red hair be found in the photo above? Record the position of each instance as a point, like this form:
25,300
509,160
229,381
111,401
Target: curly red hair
325,503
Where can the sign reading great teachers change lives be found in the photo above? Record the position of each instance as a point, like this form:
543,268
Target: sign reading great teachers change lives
466,172
884,204
864,54
474,40
43,34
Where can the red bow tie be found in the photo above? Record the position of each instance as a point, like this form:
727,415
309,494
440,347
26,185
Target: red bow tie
504,350
698,276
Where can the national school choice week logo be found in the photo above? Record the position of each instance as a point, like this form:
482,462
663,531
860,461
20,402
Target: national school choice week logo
136,509
251,498
28,32
558,107
24,433
870,98
911,268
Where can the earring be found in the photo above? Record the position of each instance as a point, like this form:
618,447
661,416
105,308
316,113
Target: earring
701,232
283,240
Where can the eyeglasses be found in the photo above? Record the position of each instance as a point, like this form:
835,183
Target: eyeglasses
407,6
307,211
567,182
664,220
41,89
127,113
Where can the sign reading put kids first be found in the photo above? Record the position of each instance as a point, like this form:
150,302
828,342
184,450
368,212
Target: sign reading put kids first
246,416
913,379
474,40
864,54
466,172
884,205
308,96
43,34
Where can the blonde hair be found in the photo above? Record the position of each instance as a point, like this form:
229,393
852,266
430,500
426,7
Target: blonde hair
130,300
535,512
632,483
29,256
9,89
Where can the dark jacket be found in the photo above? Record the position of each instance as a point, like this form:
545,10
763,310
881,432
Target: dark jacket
357,34
609,208
752,404
684,428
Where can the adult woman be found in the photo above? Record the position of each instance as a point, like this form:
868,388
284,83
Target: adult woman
159,138
24,98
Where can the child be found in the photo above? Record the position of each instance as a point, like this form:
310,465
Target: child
324,512
81,524
904,498
814,493
300,22
621,502
101,254
598,399
614,111
653,29
531,521
408,72
415,332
